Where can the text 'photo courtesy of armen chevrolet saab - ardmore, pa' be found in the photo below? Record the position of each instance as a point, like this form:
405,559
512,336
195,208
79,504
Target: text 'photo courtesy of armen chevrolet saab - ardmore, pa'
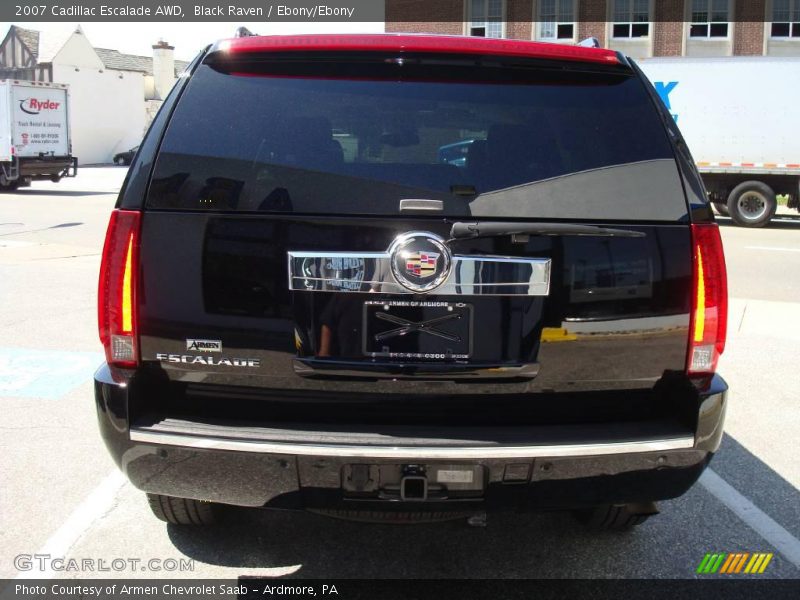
447,298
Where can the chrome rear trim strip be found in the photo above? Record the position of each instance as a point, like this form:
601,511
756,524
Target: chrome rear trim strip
371,272
412,452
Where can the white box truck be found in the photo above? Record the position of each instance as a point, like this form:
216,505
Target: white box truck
741,121
34,133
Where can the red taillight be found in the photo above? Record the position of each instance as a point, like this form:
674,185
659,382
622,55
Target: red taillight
709,318
423,44
116,308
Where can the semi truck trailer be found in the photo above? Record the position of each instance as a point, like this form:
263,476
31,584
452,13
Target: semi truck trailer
740,119
34,133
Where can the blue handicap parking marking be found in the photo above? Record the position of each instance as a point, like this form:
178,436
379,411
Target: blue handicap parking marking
45,374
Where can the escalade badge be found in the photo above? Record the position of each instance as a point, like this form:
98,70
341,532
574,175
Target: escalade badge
420,261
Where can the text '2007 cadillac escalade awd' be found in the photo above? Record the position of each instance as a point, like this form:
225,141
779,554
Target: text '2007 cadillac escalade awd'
411,278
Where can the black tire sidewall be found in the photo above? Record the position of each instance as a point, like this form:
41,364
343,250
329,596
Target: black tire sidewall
610,518
182,511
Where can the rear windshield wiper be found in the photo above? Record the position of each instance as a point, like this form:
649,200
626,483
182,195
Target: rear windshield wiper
492,229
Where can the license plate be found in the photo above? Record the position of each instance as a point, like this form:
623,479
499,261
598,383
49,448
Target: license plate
417,329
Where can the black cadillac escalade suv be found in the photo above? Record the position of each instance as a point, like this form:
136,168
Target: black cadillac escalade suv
412,277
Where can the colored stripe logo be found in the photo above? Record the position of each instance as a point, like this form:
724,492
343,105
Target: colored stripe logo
726,563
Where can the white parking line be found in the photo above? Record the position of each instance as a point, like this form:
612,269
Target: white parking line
94,506
772,248
780,539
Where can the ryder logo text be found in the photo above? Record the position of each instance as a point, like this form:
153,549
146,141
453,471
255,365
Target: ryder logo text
32,106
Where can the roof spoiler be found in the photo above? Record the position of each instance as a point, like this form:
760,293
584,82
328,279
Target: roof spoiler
408,43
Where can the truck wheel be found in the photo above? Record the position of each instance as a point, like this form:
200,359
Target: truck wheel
182,511
120,161
752,204
616,517
721,208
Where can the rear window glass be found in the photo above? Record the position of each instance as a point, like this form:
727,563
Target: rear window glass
257,143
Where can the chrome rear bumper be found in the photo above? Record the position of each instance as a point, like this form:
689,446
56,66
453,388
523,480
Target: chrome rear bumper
412,452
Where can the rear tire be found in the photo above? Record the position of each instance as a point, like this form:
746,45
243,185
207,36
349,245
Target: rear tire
8,186
616,517
182,511
752,204
120,161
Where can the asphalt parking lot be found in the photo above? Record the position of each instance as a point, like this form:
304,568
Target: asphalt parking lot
61,494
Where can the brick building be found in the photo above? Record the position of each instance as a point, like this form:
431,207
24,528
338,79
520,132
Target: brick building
638,28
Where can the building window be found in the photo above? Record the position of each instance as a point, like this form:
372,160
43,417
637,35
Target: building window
710,19
631,18
486,18
785,18
556,19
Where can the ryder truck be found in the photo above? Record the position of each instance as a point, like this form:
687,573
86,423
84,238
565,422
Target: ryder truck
739,116
34,133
